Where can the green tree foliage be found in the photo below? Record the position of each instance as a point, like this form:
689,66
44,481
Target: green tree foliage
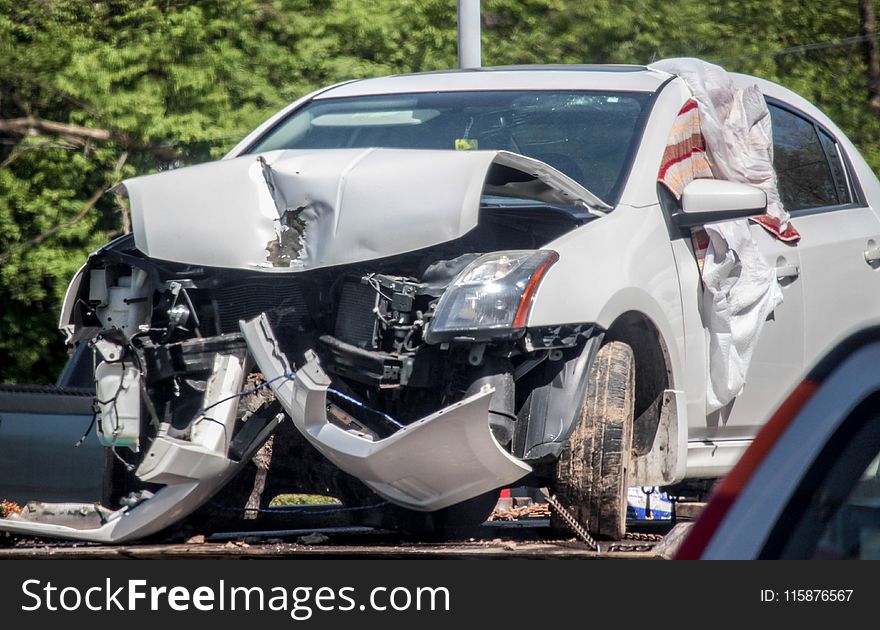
169,83
92,92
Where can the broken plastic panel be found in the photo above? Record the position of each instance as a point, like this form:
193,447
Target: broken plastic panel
445,458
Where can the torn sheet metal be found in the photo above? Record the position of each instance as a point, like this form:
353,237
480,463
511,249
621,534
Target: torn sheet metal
295,210
740,287
442,459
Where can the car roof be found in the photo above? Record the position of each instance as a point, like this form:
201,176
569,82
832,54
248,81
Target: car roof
549,77
612,77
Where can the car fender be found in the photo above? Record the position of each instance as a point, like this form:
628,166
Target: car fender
621,262
614,265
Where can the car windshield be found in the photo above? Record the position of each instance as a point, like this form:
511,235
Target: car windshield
589,136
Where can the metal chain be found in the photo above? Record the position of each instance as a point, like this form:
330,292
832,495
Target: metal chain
584,535
571,521
630,548
643,536
648,541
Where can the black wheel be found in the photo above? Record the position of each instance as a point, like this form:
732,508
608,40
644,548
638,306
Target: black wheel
591,472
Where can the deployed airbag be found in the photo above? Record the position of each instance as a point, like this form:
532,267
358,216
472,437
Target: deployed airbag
740,287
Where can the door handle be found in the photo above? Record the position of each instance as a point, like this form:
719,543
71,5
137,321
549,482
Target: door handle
784,272
872,254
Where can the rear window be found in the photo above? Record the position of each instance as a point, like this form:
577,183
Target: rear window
589,136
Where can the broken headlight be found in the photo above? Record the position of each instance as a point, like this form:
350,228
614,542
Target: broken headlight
493,294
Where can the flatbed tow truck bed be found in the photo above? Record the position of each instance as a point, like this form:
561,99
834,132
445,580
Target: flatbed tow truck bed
524,538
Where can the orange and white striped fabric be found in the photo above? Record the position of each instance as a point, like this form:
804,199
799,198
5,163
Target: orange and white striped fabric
684,158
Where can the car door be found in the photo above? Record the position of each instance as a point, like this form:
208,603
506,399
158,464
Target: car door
840,234
777,362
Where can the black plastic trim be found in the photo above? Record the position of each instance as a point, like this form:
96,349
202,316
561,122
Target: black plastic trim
696,219
562,398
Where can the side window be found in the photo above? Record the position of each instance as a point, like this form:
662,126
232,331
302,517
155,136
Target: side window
807,162
837,170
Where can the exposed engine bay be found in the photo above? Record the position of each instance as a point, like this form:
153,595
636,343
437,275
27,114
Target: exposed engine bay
389,366
366,323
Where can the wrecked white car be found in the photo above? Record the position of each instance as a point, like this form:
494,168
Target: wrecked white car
454,282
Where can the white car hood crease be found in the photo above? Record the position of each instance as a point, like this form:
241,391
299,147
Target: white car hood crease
293,210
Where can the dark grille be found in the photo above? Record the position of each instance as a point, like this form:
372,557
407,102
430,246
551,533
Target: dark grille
283,302
355,320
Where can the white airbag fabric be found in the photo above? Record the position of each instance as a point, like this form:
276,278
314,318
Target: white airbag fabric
741,289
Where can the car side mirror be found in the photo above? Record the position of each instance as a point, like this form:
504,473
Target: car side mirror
714,200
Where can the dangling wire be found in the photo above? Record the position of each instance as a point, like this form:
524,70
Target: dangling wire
89,429
290,375
287,375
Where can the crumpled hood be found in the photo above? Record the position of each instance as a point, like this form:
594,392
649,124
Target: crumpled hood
305,209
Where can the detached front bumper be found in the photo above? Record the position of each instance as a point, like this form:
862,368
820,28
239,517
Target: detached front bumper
440,460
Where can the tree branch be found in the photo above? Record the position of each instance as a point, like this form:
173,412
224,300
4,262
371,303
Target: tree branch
31,126
79,135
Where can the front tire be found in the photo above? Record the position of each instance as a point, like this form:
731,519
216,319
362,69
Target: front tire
591,472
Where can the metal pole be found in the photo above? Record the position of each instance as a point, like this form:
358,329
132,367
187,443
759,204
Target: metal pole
469,53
